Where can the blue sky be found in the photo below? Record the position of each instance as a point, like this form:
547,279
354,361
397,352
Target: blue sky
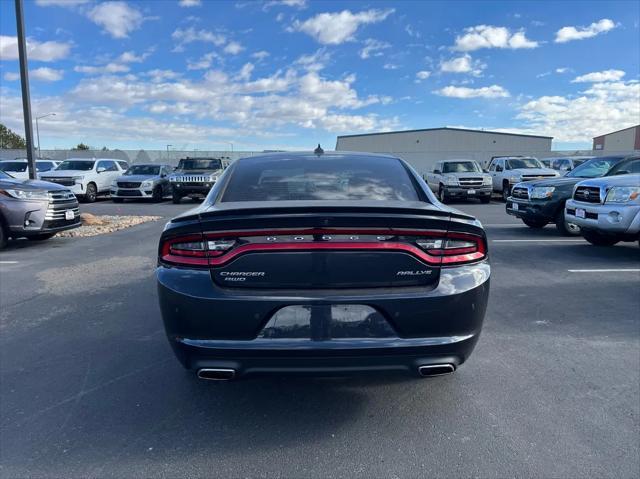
292,73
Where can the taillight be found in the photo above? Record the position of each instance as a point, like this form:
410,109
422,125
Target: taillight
456,248
192,250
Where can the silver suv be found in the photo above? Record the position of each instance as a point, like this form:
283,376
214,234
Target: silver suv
461,179
142,181
35,209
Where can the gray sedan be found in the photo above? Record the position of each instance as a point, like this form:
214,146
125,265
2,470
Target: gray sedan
142,181
35,209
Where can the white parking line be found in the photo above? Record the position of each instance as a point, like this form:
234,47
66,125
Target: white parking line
502,225
539,241
8,262
619,270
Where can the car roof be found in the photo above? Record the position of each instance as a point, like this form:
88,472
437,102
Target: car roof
456,160
347,155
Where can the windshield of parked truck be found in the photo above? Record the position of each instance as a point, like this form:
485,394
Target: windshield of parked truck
460,167
625,167
150,170
593,168
82,165
197,164
14,166
515,163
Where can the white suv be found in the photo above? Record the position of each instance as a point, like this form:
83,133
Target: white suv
87,178
19,167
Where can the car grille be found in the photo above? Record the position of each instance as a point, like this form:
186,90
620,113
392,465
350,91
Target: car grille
588,194
520,192
536,177
193,179
60,180
470,182
126,184
129,193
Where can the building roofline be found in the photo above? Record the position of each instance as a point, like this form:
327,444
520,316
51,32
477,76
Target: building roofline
444,128
617,131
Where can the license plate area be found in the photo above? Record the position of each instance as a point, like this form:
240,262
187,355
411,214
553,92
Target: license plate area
69,215
471,192
580,213
327,321
514,206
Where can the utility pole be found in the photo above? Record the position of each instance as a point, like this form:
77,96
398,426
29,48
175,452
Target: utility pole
24,81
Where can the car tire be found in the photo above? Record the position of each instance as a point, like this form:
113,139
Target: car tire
442,195
4,236
506,191
176,198
564,227
598,239
536,224
157,194
91,193
485,199
117,200
41,236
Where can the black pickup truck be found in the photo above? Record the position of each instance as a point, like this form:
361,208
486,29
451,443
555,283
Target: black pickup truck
538,203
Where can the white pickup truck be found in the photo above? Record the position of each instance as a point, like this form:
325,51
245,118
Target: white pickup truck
506,171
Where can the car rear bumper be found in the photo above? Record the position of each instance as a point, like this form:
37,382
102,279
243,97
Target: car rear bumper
613,218
213,327
459,192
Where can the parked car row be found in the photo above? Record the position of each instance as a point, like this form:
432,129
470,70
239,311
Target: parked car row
599,200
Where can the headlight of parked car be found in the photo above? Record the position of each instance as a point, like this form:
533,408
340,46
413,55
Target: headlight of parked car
514,179
27,194
147,184
622,194
486,181
452,181
541,192
114,184
78,179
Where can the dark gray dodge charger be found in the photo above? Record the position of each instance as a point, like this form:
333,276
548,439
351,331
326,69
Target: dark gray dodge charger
322,264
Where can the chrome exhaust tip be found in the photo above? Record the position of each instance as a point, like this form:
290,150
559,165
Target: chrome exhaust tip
216,374
430,370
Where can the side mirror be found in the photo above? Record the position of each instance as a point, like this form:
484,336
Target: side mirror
163,175
101,169
437,172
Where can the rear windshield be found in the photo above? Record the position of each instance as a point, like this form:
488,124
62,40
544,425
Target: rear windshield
460,167
515,163
202,164
13,166
326,178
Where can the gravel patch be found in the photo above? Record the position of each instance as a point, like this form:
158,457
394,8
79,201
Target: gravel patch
97,225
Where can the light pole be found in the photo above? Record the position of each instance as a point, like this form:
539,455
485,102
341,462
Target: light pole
38,130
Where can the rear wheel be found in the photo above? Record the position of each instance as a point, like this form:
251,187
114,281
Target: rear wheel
506,191
534,223
41,237
565,227
598,239
157,194
176,198
3,235
91,194
442,195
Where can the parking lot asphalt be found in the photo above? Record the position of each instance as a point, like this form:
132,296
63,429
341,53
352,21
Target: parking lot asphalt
90,388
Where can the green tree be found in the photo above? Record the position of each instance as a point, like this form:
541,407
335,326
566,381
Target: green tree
10,140
81,146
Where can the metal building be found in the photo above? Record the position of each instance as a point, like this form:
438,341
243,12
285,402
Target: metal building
621,140
422,148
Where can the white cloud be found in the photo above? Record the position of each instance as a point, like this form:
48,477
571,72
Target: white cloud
190,3
233,48
61,3
203,63
314,61
563,70
603,107
131,57
184,36
46,74
463,64
493,91
603,76
245,71
285,3
117,18
422,75
390,66
159,75
101,69
373,47
567,34
41,51
12,76
261,55
336,28
488,36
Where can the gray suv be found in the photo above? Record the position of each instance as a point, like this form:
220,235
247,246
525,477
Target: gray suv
35,209
142,181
